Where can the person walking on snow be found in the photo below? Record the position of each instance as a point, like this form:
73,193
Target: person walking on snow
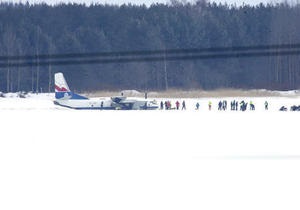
197,105
252,107
232,104
224,105
209,105
266,105
220,105
177,105
169,105
183,105
161,105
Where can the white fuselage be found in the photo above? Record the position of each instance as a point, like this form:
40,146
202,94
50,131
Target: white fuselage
107,103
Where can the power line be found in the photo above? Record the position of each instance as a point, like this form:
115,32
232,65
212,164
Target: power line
150,56
151,52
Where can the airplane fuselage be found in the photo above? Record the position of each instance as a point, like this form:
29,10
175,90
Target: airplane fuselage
114,103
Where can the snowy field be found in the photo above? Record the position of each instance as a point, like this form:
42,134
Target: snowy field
57,158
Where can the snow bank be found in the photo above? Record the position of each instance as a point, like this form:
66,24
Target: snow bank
131,93
53,158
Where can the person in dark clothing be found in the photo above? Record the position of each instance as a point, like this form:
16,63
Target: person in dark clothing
283,108
224,105
183,105
243,106
233,105
220,105
197,105
266,105
161,105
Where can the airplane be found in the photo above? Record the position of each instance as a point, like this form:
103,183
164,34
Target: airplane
66,98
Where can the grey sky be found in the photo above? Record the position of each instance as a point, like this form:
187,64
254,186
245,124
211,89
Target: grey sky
147,2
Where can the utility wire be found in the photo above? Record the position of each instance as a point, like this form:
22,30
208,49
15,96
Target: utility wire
151,52
150,56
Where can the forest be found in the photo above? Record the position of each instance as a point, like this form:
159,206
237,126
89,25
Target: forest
41,29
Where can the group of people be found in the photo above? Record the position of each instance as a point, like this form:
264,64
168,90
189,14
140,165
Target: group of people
292,108
168,105
235,105
222,105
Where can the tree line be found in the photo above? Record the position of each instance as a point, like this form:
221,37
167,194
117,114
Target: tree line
76,28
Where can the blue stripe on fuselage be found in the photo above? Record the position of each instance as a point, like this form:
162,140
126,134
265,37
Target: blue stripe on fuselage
83,108
101,108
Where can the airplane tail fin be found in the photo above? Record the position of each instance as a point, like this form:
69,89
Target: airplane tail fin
62,90
60,83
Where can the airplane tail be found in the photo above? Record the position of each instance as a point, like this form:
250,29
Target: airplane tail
60,83
62,90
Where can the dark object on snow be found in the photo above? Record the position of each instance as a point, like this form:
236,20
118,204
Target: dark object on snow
266,105
283,108
220,105
183,105
224,105
234,105
22,94
243,106
161,105
295,108
252,107
177,105
197,105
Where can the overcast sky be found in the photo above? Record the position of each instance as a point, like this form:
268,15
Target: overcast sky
147,2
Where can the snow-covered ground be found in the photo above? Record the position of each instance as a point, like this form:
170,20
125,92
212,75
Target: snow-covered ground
57,158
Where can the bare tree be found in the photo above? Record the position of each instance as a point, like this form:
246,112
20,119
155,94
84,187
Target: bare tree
9,45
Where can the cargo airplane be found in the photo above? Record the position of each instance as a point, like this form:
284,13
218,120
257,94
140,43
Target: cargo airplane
66,98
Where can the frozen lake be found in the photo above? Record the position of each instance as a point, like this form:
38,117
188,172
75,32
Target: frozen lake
53,158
